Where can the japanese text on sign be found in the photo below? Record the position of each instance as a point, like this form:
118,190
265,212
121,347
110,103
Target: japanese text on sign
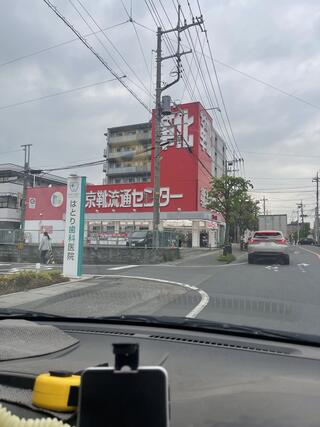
71,220
175,130
207,134
203,197
128,198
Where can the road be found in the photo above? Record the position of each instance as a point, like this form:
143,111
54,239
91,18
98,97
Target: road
264,295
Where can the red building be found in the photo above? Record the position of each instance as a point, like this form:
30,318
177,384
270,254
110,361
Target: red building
190,152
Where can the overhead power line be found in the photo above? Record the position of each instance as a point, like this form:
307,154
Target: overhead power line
260,153
280,178
47,49
144,87
217,61
63,92
217,79
283,192
252,77
99,57
271,86
80,165
137,35
283,188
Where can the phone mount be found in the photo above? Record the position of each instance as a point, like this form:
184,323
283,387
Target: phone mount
126,355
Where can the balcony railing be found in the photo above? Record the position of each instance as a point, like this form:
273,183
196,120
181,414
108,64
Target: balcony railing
143,138
130,170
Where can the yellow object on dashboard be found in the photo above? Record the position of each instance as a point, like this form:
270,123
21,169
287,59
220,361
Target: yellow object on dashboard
56,391
9,420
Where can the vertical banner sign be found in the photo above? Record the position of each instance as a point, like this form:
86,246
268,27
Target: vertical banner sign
74,228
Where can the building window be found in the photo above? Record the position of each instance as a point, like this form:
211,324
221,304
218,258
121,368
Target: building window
8,202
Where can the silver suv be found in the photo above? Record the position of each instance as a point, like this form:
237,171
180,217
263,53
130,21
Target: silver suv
271,244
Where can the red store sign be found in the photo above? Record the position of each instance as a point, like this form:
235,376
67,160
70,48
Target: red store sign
185,169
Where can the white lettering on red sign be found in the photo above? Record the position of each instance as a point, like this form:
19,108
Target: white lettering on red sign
203,197
128,198
207,135
175,130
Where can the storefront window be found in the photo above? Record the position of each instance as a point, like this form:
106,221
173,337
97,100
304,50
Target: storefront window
108,227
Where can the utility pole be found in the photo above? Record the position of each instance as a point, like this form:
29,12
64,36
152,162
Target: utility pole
264,200
316,222
159,89
302,216
298,228
26,169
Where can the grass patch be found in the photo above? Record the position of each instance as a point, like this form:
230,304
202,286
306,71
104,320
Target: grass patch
25,280
226,258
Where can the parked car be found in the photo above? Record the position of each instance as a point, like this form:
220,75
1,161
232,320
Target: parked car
307,241
141,238
268,244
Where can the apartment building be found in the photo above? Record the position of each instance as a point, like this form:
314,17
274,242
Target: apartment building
128,154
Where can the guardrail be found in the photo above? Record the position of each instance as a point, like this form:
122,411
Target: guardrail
10,236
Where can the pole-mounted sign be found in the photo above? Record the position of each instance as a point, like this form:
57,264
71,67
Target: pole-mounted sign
74,227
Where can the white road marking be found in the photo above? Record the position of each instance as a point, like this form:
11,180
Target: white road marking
190,266
194,312
272,268
301,267
122,267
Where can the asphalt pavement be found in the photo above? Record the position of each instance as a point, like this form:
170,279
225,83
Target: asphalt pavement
268,295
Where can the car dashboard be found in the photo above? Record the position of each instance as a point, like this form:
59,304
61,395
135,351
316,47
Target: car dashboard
214,379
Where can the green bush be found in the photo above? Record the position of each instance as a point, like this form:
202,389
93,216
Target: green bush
226,258
25,280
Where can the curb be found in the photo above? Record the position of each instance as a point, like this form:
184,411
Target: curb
72,281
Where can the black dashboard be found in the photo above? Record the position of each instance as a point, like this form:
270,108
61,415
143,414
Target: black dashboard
215,380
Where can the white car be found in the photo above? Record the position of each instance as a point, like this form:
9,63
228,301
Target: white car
268,244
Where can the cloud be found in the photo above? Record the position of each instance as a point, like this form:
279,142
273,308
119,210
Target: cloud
275,41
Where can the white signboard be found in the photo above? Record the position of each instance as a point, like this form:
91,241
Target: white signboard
74,227
212,225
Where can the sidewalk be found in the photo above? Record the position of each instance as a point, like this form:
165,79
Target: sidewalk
207,257
23,297
240,255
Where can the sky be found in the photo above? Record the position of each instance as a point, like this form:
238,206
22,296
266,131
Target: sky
275,42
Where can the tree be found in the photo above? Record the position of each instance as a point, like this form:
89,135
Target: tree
229,196
247,214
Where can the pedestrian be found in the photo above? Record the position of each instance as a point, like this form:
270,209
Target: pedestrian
44,247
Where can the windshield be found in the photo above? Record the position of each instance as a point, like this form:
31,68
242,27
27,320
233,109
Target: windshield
158,160
139,234
267,234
